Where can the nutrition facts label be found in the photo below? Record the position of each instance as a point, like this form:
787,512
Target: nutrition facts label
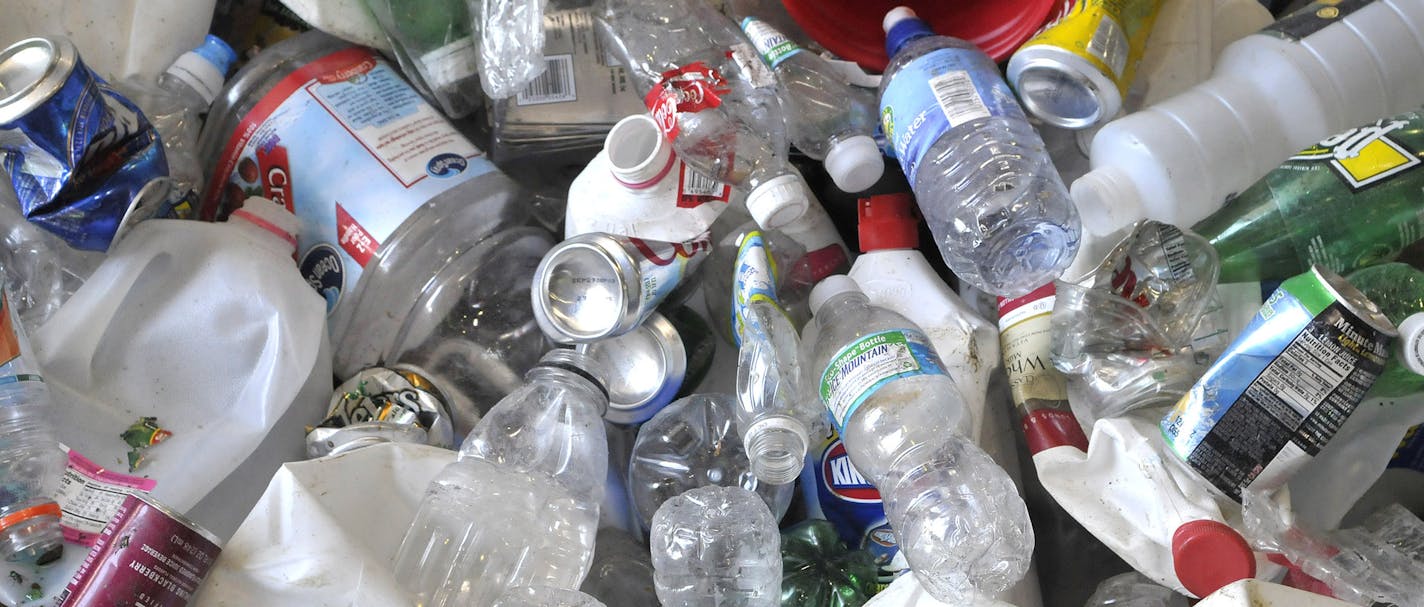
89,496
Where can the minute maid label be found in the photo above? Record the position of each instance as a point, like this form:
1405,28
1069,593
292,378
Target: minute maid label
860,369
773,45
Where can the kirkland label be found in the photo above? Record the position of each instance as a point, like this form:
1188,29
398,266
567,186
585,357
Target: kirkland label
1039,391
1313,17
1278,394
773,45
89,496
938,92
352,150
861,368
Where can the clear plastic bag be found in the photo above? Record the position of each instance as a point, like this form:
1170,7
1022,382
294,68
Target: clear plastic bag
511,44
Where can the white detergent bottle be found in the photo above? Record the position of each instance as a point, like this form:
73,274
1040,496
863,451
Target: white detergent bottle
210,329
1318,71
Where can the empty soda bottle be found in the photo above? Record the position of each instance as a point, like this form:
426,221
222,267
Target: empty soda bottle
958,518
520,504
545,596
622,572
716,547
826,117
775,418
31,462
711,96
819,571
998,210
692,443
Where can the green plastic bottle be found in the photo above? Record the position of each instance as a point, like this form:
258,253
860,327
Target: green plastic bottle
1350,201
819,571
1398,290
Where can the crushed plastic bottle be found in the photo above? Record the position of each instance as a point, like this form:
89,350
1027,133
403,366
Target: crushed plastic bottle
520,505
774,417
41,270
826,117
998,210
959,519
31,462
711,96
1132,589
545,596
692,443
714,547
622,572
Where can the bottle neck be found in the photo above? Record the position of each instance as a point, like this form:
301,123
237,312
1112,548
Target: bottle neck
835,310
268,234
571,370
639,156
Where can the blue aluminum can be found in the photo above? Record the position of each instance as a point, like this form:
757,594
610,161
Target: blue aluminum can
77,152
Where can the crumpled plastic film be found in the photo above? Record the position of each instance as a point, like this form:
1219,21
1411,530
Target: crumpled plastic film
511,44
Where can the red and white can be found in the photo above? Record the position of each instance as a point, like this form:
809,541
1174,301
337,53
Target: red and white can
147,556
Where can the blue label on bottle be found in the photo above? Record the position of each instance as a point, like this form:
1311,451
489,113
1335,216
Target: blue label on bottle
867,364
937,92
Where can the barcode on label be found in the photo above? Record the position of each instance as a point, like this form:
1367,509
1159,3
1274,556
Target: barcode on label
1109,45
697,184
555,85
958,98
1174,248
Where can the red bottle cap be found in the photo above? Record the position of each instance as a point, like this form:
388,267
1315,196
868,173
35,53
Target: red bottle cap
1208,555
887,221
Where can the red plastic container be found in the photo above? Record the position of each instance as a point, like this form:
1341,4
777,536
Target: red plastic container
851,28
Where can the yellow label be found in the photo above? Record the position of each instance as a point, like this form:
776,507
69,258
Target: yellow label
1110,34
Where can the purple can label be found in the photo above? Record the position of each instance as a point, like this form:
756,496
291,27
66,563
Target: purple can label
147,556
78,159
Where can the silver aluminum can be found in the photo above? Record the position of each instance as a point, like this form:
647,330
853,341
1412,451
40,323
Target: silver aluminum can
594,286
382,405
645,368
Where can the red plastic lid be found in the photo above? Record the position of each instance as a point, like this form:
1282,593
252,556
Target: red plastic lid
1208,555
887,221
851,28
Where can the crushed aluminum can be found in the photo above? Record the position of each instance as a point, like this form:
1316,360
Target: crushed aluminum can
645,367
78,153
147,555
381,405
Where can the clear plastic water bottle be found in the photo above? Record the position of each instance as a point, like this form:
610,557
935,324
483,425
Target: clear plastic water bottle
774,417
520,505
693,443
716,547
1132,589
998,210
622,571
826,117
176,106
958,517
712,97
31,461
544,596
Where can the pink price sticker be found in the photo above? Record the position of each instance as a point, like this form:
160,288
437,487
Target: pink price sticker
90,495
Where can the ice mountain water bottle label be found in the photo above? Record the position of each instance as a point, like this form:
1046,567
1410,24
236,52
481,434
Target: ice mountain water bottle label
863,367
938,92
773,45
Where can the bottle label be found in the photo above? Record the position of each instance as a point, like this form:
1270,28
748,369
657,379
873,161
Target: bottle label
773,45
688,89
1313,17
451,63
351,149
695,189
860,369
89,496
583,81
1410,453
1039,391
753,69
753,280
937,92
662,266
9,338
1280,392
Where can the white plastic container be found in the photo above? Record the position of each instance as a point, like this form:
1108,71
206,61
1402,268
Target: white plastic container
1314,73
638,187
116,38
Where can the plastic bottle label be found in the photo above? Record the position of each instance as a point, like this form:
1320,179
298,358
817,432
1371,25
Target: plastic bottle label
1313,17
753,280
861,368
695,189
89,496
691,88
937,92
1410,453
350,148
9,339
1039,391
662,267
773,45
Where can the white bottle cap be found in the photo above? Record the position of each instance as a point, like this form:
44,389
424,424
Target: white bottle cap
271,217
1107,200
831,287
1411,342
896,15
778,202
855,164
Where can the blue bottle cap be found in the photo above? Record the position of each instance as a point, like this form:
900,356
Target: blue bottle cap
901,26
217,52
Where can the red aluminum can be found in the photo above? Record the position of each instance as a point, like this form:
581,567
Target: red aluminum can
147,556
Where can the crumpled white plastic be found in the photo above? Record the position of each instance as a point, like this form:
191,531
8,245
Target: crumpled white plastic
326,532
1256,593
511,44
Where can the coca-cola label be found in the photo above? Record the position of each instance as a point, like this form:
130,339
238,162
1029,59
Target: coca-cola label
691,88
